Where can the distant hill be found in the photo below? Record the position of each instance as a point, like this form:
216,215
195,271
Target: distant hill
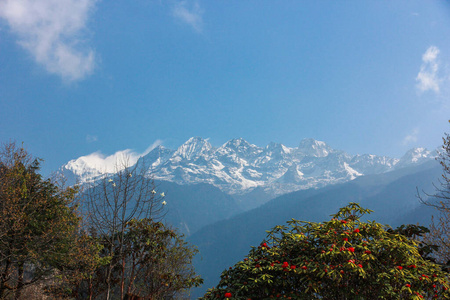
391,195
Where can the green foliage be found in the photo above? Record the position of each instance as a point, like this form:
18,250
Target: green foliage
416,232
37,225
73,276
343,258
157,263
159,260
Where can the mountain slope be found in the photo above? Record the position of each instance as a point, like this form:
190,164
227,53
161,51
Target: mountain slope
191,207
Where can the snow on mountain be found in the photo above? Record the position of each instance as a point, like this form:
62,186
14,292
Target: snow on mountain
192,149
311,147
237,167
415,156
156,157
84,169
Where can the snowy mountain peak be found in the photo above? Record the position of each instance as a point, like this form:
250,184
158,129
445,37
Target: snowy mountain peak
83,169
193,148
312,147
81,164
239,147
415,156
238,143
277,149
157,156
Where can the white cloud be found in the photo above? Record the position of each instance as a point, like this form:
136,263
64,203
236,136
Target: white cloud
411,138
428,78
52,30
91,138
116,161
190,15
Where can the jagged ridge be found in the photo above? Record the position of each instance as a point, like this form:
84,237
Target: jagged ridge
237,167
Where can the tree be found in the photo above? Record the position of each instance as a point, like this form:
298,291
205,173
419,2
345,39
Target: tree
109,204
439,234
37,225
159,261
344,258
123,212
73,277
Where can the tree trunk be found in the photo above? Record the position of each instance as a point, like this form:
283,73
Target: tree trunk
20,282
90,289
122,283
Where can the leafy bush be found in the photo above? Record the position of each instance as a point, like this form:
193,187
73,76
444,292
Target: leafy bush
344,258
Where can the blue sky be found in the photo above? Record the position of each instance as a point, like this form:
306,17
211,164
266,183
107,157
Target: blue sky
93,76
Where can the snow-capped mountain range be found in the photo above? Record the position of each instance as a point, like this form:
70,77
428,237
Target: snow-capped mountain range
238,167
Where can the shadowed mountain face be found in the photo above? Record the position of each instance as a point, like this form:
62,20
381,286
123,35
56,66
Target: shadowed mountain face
191,207
238,167
187,207
391,195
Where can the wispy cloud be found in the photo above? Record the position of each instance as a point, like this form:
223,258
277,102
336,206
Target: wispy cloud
91,138
411,138
52,31
117,161
428,78
189,13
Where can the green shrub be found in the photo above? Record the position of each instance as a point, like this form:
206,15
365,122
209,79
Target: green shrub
344,258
